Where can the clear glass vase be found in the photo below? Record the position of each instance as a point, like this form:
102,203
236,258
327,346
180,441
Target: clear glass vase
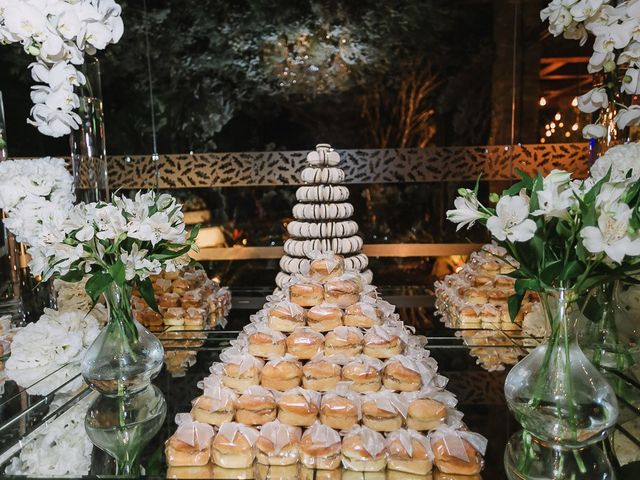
611,336
561,400
126,356
122,426
88,143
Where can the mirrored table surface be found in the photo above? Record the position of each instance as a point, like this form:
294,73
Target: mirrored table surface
42,424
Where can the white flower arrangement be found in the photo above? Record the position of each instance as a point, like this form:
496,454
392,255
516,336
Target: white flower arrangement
564,233
60,448
616,52
46,354
58,33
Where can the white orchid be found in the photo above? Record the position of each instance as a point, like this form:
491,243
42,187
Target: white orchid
512,221
628,117
594,130
585,9
630,55
58,33
467,210
558,15
611,235
601,61
621,162
631,81
593,100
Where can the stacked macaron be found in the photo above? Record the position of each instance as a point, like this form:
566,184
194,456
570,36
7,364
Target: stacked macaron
327,375
322,218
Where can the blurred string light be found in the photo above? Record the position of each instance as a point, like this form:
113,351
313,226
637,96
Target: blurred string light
558,127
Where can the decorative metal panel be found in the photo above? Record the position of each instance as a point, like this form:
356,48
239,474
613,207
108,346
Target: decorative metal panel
435,164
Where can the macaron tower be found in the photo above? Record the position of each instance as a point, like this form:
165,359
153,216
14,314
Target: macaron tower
325,375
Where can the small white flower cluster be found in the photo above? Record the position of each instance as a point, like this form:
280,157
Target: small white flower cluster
617,42
60,448
58,33
560,197
87,238
40,349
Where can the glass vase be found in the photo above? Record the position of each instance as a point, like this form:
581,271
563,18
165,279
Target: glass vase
88,147
561,400
611,338
126,356
122,426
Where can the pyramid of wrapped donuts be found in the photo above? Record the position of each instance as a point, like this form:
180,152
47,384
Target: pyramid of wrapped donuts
322,218
324,376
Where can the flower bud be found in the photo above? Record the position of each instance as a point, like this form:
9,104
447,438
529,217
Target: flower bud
494,197
609,66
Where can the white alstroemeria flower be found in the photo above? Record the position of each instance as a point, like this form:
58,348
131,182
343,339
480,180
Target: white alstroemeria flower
610,194
611,234
467,210
585,9
593,100
110,222
512,220
630,55
630,82
136,263
555,199
153,229
594,130
628,117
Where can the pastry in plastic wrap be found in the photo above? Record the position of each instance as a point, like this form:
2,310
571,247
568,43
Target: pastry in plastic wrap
282,373
321,374
428,408
324,317
325,266
363,450
299,407
363,314
340,409
320,448
347,341
341,292
190,444
408,451
264,342
256,406
278,444
285,316
457,451
383,411
307,294
216,405
364,374
234,446
188,473
305,343
240,370
382,342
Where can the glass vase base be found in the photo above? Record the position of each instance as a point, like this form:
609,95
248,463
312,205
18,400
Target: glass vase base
525,458
122,426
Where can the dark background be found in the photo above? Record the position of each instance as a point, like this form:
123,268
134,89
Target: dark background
405,73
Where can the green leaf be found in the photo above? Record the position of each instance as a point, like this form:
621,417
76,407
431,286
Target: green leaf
513,189
72,276
194,232
97,284
537,186
551,272
117,271
527,284
527,181
573,269
146,290
515,301
563,229
170,254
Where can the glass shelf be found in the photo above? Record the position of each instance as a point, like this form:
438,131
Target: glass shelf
27,417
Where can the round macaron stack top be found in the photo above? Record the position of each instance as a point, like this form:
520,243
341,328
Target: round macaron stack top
322,219
334,376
